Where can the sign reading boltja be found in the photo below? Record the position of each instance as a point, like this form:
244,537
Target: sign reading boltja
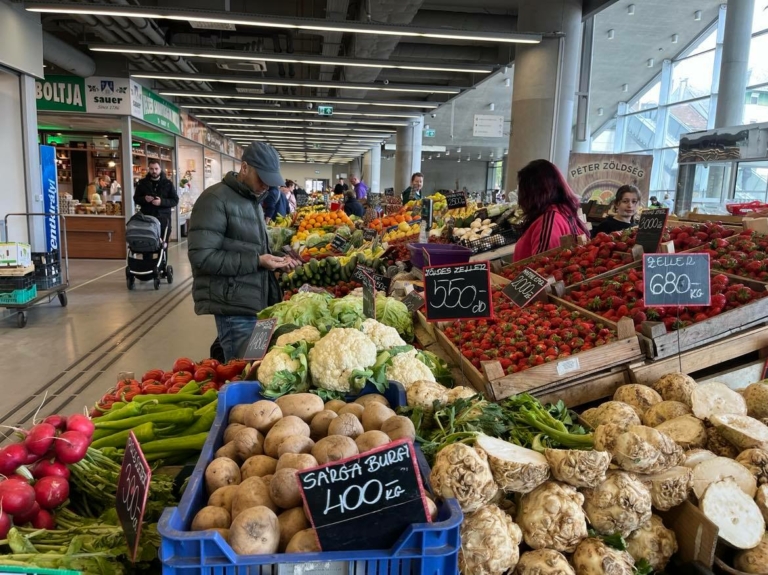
676,280
366,501
458,291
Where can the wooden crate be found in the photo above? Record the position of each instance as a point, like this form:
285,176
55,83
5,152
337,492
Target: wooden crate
584,391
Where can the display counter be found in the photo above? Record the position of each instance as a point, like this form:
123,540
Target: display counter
96,236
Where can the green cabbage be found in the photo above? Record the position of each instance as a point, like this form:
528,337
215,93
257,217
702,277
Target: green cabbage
304,308
348,311
393,313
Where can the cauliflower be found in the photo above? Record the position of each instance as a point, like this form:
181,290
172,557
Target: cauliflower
308,333
336,357
276,360
383,336
284,370
424,393
408,369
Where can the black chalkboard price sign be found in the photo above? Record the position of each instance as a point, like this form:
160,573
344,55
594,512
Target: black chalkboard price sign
301,200
676,280
369,234
369,295
367,501
426,212
132,492
458,291
414,301
381,283
258,343
650,228
339,243
456,200
525,287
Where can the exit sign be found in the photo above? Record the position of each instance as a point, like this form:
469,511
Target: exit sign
325,110
429,133
316,146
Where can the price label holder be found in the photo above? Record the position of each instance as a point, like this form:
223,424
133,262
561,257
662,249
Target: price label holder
339,244
389,192
413,301
426,213
258,343
366,501
672,280
381,283
650,228
369,234
458,292
525,288
301,200
369,296
456,200
132,492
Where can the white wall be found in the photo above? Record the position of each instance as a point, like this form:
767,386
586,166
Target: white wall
442,175
13,197
21,39
387,174
301,172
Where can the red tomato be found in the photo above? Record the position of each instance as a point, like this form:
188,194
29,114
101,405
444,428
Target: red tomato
183,364
182,377
204,374
126,382
210,362
156,374
228,371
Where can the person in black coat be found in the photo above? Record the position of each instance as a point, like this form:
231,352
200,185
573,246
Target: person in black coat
352,206
625,204
156,196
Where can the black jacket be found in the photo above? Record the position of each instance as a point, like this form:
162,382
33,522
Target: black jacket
163,189
354,208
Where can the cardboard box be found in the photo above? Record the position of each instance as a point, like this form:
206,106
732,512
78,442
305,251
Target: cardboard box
15,254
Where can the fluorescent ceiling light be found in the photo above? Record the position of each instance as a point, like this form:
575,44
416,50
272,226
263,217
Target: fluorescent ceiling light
263,21
321,120
305,84
315,100
309,59
297,111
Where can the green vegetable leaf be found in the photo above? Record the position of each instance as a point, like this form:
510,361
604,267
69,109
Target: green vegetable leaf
327,394
359,378
616,540
19,543
393,313
642,567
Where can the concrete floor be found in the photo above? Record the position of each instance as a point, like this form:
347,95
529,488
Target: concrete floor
72,355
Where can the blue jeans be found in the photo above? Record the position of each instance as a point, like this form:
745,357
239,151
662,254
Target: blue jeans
234,332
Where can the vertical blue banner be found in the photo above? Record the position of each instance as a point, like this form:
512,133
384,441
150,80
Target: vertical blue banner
50,196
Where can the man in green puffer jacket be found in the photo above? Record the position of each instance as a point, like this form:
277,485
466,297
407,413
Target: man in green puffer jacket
233,269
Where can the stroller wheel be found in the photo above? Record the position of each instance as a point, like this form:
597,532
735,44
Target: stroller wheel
130,282
157,283
128,274
169,274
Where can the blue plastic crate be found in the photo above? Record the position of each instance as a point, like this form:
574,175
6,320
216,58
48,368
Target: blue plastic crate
424,549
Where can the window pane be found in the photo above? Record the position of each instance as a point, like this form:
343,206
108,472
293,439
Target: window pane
760,19
668,176
640,131
603,142
649,99
683,118
692,77
752,181
756,106
708,43
758,63
710,186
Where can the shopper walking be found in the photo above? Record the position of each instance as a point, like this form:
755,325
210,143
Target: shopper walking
156,196
413,192
232,266
550,206
361,190
274,204
625,204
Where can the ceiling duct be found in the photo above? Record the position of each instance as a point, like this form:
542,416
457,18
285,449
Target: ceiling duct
61,54
259,66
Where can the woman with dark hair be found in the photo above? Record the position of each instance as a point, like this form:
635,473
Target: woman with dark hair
551,209
625,204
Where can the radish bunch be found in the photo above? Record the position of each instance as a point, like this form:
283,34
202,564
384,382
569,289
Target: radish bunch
35,477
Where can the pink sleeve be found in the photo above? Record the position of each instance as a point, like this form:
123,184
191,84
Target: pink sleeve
547,231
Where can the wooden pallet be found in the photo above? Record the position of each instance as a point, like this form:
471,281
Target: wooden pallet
17,271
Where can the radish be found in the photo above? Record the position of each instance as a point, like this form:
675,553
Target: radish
5,524
47,468
17,477
58,421
11,456
40,438
44,520
31,458
81,423
16,497
24,518
71,447
51,491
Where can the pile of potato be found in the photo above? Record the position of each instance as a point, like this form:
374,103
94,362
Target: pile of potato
255,502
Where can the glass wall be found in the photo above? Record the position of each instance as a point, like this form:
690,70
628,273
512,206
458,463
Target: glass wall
682,98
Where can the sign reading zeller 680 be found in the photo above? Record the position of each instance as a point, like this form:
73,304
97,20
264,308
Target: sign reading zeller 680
676,280
459,291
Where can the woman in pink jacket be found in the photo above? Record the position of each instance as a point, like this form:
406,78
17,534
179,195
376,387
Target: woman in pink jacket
551,209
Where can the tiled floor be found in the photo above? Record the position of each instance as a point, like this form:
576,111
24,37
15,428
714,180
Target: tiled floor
74,354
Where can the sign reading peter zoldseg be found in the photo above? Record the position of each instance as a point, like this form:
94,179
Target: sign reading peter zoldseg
598,176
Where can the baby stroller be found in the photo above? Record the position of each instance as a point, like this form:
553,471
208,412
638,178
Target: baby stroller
147,251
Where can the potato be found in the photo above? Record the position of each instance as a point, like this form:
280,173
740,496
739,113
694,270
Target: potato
303,542
295,444
291,522
258,466
399,427
237,414
335,405
367,399
267,479
375,415
211,517
284,489
251,493
282,430
303,405
231,431
249,442
355,409
223,497
221,472
319,426
346,424
262,415
255,531
334,448
297,461
432,509
228,450
371,440
223,532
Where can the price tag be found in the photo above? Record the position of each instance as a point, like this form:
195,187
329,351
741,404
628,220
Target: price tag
676,280
458,291
525,287
369,234
413,301
301,200
651,228
369,296
426,213
381,283
456,200
132,492
568,366
366,501
339,244
389,192
258,344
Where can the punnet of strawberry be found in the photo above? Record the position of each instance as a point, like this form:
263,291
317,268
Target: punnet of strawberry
746,255
523,338
622,296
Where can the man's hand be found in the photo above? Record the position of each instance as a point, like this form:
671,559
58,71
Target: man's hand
271,262
149,199
156,202
290,264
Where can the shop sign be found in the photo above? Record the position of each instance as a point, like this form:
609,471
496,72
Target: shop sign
160,112
50,196
136,106
61,94
598,176
108,96
214,140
